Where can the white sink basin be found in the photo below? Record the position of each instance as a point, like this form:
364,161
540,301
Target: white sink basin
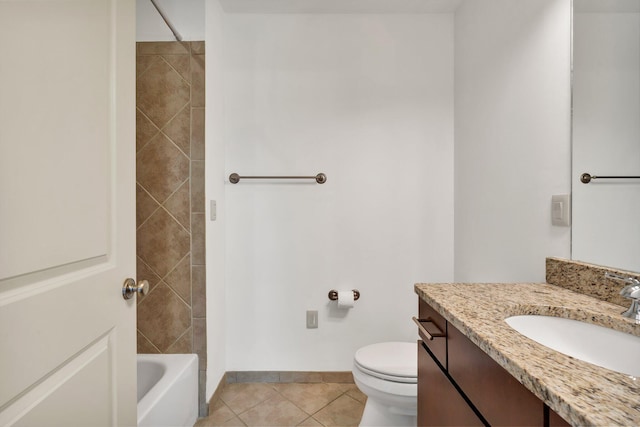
595,344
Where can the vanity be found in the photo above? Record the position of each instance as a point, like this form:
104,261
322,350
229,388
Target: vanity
474,369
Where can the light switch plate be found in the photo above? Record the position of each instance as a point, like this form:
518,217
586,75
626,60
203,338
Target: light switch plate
561,210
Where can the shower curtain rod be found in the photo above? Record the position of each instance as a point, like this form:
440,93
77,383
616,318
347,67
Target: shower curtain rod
175,32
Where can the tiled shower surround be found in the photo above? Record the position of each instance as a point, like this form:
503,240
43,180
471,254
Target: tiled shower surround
170,199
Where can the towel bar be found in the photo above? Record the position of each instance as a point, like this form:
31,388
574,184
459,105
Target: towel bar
320,178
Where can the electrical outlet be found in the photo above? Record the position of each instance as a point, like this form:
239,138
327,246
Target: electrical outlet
312,319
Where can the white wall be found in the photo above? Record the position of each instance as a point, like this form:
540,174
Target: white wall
512,127
606,138
187,16
368,100
214,189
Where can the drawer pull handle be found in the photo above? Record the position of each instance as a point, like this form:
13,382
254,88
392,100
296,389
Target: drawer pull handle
429,335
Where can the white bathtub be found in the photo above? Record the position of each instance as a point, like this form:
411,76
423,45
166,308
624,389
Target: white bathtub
167,390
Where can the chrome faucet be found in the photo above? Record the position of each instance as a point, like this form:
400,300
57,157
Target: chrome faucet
631,291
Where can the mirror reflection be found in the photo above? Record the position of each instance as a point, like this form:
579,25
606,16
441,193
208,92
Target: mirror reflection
606,132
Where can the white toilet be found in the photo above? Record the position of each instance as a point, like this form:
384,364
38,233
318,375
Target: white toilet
388,374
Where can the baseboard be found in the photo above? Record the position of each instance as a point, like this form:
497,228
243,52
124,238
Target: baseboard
345,377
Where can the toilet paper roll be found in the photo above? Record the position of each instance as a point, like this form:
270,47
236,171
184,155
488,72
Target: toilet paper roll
345,299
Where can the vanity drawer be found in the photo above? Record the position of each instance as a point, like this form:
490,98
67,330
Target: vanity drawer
436,332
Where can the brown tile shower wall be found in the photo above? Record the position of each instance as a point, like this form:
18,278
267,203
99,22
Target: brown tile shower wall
170,199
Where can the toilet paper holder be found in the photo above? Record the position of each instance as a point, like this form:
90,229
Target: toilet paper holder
333,295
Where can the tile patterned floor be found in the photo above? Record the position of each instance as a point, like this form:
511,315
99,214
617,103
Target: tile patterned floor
286,404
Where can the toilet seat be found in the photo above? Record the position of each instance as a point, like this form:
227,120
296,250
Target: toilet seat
389,361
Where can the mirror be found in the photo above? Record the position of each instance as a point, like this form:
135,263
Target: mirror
606,132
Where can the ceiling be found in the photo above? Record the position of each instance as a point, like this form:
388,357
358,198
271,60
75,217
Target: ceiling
339,6
395,6
613,6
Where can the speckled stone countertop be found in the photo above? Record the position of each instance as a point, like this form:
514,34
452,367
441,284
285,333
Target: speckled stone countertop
583,394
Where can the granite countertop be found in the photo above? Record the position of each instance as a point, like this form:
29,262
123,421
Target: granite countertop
582,393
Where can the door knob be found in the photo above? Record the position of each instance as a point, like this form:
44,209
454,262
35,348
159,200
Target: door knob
129,288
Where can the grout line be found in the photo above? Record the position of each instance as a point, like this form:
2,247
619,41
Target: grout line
152,123
188,55
274,387
233,414
152,198
251,407
161,206
142,72
329,403
149,292
138,257
294,404
190,281
171,195
232,411
190,328
182,300
146,338
184,107
170,119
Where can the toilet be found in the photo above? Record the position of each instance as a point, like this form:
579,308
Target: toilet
388,374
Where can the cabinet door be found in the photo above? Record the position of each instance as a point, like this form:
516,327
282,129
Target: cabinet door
439,403
499,397
555,420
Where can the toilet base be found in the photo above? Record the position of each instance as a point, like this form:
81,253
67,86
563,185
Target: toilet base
378,415
392,399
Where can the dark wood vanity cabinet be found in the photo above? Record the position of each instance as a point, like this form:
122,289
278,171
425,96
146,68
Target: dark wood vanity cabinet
440,403
459,384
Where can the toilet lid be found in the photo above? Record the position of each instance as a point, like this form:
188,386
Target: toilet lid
393,361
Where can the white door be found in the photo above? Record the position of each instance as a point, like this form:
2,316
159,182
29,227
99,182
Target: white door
67,212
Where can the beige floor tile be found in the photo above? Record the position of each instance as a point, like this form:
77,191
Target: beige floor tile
286,404
219,412
310,422
233,422
355,392
243,396
344,411
311,397
202,422
208,422
275,411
